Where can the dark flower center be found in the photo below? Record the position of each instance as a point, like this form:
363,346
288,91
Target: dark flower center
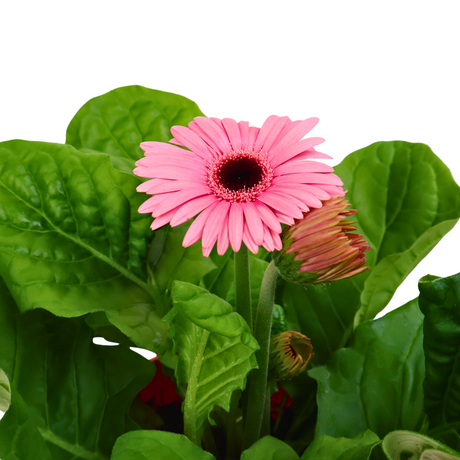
240,174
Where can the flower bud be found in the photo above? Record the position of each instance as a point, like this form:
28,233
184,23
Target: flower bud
289,354
320,247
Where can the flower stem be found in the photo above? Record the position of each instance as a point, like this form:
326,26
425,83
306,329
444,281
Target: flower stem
257,385
242,285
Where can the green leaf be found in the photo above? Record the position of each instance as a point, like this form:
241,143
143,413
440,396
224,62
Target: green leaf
77,393
257,269
5,392
269,448
118,121
71,239
212,365
407,201
153,445
325,314
278,320
170,261
327,448
439,302
220,280
20,438
405,444
376,383
210,312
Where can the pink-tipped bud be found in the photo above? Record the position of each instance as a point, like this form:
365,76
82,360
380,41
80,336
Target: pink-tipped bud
289,354
320,247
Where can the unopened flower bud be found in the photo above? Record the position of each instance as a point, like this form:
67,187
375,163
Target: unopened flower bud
320,247
289,354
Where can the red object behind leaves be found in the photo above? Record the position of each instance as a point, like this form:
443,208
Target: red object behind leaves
276,402
160,391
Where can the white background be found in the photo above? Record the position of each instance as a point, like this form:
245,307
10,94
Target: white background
369,70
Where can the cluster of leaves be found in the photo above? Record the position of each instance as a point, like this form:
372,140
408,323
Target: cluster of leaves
77,261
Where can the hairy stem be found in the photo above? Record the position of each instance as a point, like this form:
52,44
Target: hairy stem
242,286
257,385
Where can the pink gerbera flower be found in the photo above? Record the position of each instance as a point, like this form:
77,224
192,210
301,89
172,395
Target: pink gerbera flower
241,181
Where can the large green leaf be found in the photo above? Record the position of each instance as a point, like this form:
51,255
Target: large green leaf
71,239
212,365
407,200
405,444
323,313
376,383
20,438
269,448
153,445
77,394
439,302
170,261
327,448
118,121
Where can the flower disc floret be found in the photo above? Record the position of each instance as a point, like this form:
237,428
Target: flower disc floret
241,182
241,176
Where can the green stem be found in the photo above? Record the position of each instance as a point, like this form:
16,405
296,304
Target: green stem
257,385
192,388
242,286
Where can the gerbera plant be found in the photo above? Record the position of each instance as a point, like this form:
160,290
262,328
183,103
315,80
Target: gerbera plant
245,275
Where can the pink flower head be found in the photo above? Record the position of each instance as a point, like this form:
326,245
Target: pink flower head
241,181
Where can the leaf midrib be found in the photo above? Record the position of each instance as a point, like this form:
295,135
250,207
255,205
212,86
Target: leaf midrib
149,289
75,449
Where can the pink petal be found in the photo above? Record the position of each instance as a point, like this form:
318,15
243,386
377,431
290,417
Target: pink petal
269,132
211,133
233,132
235,225
214,223
252,136
313,189
223,239
280,203
297,193
316,178
253,222
162,220
166,172
268,243
291,197
248,241
244,132
332,190
277,240
191,209
267,216
196,229
171,160
284,218
155,186
281,156
311,154
153,148
294,135
174,199
218,122
208,250
192,141
149,205
302,166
